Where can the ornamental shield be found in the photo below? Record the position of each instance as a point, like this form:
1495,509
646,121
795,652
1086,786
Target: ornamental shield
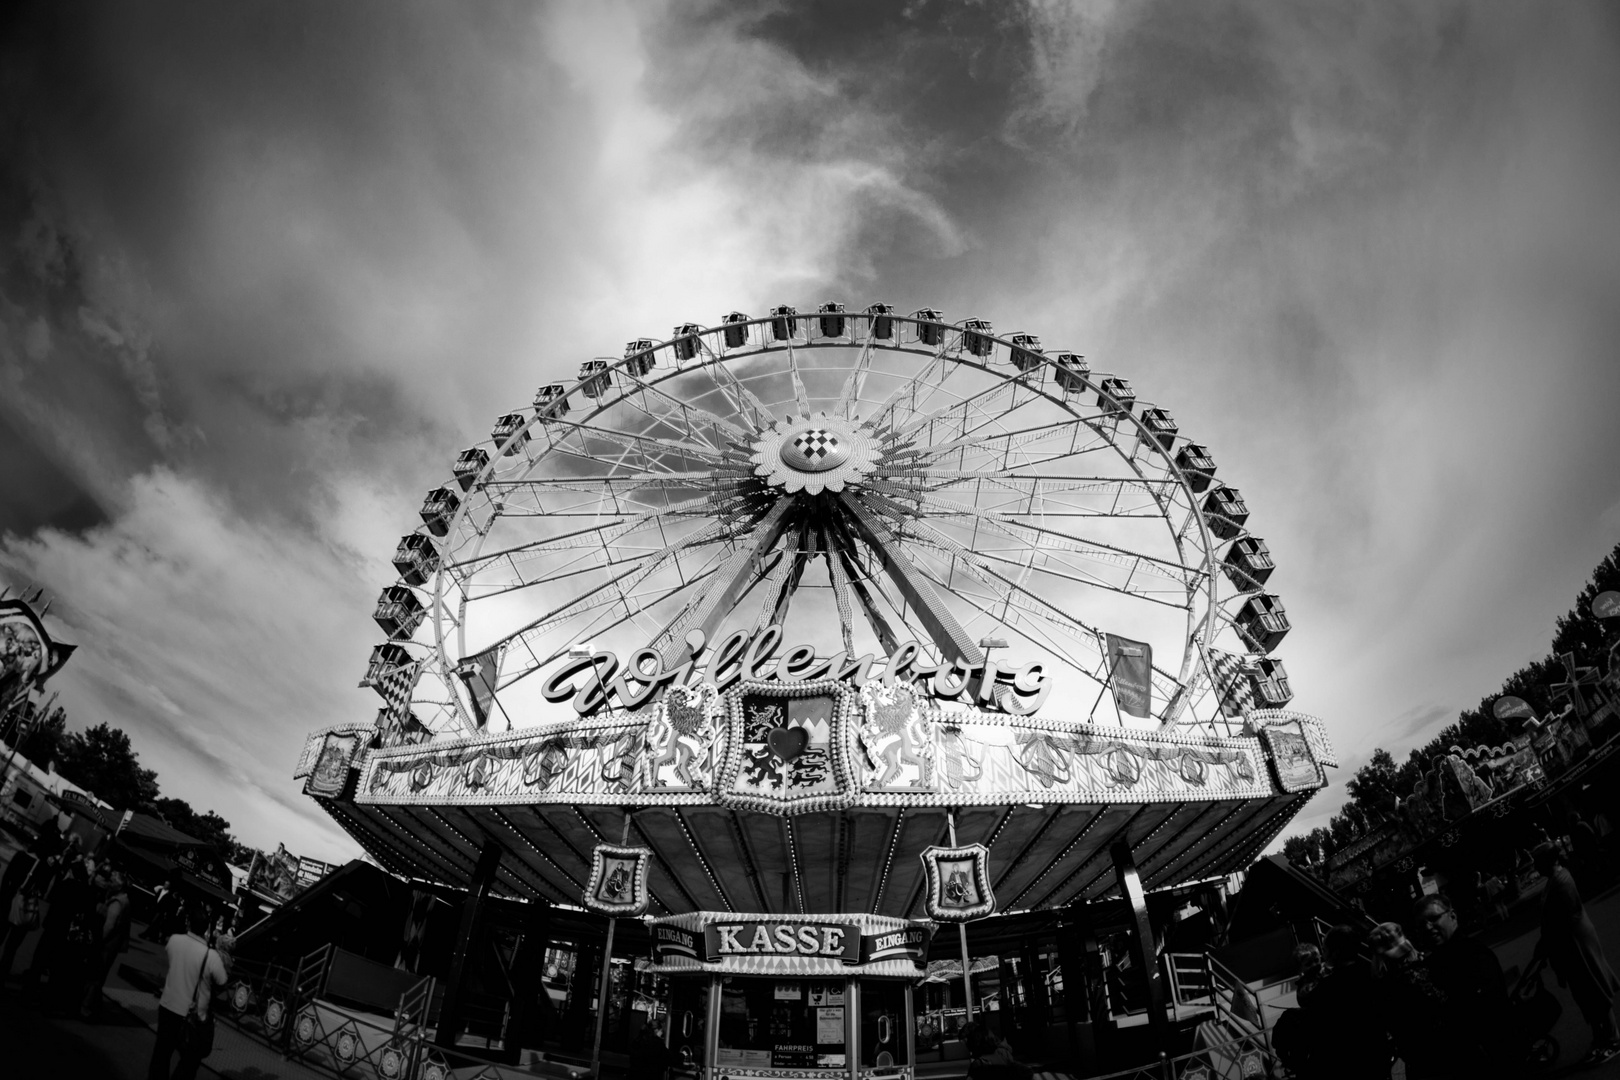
958,883
618,884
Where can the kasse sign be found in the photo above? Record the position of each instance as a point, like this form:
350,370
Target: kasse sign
829,941
843,942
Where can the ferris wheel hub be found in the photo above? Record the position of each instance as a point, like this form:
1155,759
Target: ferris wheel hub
813,454
814,449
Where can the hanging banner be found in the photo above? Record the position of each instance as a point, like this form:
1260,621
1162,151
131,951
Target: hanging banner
618,884
480,672
1130,664
958,883
1233,689
1606,605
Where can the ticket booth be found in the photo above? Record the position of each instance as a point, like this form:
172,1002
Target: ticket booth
791,996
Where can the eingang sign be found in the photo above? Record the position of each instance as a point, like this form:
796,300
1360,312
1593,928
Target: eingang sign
743,654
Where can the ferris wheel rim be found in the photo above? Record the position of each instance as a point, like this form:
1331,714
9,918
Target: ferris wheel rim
1200,631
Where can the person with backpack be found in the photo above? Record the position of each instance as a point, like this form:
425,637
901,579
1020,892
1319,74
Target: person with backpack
111,940
185,1022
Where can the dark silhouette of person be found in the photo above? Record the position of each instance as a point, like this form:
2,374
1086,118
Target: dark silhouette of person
649,1057
1344,1033
1571,945
1475,1014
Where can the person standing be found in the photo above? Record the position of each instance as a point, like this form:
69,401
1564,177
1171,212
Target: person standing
1344,1030
63,932
1475,1017
111,940
1411,1004
1570,943
194,971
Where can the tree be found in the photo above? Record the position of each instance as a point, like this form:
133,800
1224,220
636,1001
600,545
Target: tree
208,827
101,760
1372,789
1377,784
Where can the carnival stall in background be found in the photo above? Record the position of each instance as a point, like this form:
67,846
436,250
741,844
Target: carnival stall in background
859,675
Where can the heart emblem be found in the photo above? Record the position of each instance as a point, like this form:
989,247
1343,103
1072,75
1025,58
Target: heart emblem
787,743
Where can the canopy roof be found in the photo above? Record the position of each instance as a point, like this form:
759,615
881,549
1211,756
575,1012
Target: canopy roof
1049,800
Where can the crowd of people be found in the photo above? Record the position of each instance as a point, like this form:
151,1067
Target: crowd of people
79,906
80,909
1438,999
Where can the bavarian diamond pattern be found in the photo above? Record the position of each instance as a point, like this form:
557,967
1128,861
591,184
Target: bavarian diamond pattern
815,444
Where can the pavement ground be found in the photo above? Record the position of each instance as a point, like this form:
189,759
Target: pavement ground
118,1044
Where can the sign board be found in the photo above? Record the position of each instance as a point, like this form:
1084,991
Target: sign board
1291,758
843,942
745,655
1508,707
958,883
618,884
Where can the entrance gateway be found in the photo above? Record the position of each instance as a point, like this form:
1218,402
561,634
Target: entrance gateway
803,638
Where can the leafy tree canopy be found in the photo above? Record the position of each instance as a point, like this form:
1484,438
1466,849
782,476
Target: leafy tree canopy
1376,786
101,760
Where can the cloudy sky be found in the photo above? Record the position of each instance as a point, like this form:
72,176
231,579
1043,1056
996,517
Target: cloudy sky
265,267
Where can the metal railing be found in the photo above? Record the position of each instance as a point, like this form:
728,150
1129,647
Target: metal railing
1244,1058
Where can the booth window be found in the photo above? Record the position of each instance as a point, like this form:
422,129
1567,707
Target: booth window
688,1006
782,1024
883,1011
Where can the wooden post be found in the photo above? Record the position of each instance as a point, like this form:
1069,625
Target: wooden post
1130,886
451,1012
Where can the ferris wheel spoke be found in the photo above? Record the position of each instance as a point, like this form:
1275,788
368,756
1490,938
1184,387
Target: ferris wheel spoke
850,392
1003,443
801,397
615,590
1014,527
656,448
1007,617
953,642
1077,577
686,412
591,537
734,578
913,390
874,617
995,580
979,407
839,578
783,580
610,615
743,400
1014,595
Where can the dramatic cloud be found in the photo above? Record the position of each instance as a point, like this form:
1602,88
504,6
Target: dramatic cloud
267,267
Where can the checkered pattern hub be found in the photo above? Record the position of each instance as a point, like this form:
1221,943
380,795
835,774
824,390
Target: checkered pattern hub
815,444
814,449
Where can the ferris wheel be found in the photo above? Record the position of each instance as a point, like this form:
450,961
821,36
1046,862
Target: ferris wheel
858,480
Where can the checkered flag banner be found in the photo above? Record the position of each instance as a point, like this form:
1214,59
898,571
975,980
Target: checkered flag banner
395,687
1232,686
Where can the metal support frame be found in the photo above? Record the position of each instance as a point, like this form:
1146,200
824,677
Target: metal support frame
452,1012
1141,927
